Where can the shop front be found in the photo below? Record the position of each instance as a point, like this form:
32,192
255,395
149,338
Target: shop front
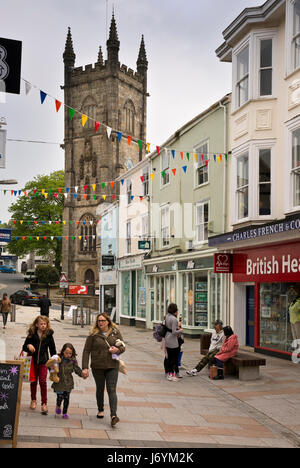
108,294
192,284
269,278
132,291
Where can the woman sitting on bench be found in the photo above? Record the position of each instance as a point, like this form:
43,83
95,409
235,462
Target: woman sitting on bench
229,349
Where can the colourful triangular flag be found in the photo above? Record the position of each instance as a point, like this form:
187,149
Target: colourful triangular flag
119,136
84,119
174,171
184,168
129,139
108,130
173,153
97,125
71,113
43,96
57,105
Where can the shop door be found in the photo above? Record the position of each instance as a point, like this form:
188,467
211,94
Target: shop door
250,315
133,297
109,299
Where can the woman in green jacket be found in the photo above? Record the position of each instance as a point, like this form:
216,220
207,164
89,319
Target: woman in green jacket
104,345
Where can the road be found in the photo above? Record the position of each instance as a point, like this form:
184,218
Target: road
10,283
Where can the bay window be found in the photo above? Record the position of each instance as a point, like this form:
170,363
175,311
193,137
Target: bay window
242,77
242,190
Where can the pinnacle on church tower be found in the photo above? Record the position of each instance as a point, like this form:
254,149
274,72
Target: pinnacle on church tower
100,56
142,62
69,55
113,43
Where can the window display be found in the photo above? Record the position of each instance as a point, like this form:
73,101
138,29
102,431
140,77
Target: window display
279,315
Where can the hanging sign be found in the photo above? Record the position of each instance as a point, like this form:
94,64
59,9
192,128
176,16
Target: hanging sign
222,263
10,65
11,379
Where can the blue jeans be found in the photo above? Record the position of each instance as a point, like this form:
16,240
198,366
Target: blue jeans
218,363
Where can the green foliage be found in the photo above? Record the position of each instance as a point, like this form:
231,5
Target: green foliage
35,207
47,274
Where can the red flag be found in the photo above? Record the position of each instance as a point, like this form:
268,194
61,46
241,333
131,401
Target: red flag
85,187
174,171
112,184
85,196
59,190
113,197
129,139
157,149
142,178
57,105
141,198
97,125
55,195
181,154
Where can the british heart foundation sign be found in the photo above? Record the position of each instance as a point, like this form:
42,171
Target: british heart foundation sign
222,263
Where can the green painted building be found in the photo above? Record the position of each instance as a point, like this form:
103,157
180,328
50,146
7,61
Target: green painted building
189,202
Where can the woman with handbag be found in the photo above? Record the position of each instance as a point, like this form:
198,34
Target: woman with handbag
172,343
5,307
104,345
38,343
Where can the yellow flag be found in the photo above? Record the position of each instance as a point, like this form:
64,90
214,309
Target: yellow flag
94,187
79,237
148,147
83,119
104,197
195,156
64,222
21,222
37,238
43,191
46,195
152,175
219,159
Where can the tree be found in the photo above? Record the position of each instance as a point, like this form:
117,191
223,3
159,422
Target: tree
35,217
47,274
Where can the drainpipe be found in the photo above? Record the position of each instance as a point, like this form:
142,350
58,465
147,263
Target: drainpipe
226,289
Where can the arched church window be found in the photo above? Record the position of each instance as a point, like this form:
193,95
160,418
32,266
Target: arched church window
88,234
89,108
129,117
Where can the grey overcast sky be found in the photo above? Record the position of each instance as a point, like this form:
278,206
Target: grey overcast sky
184,78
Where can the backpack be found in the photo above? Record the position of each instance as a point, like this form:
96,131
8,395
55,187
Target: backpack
160,331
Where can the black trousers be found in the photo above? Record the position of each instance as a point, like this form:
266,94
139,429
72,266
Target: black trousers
171,365
5,317
63,397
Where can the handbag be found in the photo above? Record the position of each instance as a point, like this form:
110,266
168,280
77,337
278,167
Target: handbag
122,365
28,374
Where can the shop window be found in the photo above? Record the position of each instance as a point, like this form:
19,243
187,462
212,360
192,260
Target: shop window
201,301
264,182
279,316
141,296
126,281
242,191
295,173
152,297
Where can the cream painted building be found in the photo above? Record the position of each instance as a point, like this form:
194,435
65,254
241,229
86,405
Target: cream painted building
134,225
263,45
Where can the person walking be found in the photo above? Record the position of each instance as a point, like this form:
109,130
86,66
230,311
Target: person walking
5,307
63,388
37,344
229,349
104,345
172,344
44,304
217,340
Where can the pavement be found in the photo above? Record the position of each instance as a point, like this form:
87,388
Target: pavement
193,412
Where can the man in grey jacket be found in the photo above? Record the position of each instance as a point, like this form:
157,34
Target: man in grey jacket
216,343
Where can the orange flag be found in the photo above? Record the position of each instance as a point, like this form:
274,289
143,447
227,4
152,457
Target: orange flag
129,139
57,105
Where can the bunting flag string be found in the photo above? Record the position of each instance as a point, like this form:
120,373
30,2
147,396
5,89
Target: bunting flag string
120,135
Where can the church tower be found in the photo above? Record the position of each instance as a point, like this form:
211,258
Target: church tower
115,96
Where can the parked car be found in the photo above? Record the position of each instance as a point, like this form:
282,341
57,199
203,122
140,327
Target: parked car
7,269
30,276
25,298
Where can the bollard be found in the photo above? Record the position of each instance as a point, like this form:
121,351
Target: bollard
13,313
62,315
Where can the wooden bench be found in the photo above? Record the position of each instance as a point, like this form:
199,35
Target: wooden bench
245,365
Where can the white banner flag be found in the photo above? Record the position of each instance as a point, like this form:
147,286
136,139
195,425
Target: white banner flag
2,148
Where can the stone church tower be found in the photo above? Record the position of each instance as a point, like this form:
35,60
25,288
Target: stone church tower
114,95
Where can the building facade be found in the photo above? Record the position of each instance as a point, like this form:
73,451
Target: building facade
262,45
189,202
114,96
134,246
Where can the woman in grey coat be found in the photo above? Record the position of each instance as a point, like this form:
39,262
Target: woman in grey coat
171,340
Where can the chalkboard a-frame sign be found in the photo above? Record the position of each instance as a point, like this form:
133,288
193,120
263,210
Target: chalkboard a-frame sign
11,379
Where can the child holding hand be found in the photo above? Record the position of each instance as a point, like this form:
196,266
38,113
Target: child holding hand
65,385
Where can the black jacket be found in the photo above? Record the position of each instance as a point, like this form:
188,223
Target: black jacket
44,304
41,355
